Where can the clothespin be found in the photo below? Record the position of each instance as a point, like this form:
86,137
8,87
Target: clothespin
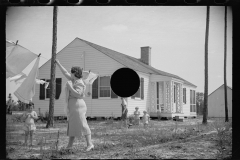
89,71
39,54
17,42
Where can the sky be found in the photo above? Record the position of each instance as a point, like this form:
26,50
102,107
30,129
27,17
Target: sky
176,35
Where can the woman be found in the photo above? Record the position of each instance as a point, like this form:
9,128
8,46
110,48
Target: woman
124,111
77,123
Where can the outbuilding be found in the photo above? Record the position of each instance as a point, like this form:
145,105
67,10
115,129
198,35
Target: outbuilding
216,102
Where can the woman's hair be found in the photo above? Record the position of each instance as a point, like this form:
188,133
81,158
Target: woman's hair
77,71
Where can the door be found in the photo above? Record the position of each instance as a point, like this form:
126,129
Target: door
160,96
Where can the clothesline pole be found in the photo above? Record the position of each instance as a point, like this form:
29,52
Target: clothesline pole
50,121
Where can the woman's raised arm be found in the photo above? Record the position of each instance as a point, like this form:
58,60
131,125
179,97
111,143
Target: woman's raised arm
63,70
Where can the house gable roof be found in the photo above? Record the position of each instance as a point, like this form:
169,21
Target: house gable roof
133,63
218,88
129,62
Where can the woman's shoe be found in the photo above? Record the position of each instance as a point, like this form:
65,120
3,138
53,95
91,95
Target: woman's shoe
89,148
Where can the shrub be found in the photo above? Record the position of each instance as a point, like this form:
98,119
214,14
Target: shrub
15,107
131,118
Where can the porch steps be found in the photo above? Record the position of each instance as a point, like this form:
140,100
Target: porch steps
179,118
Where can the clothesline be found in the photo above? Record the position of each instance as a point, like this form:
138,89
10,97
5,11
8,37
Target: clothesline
43,57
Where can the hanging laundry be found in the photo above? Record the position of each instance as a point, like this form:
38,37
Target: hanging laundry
17,59
90,78
17,77
18,80
27,90
38,81
9,46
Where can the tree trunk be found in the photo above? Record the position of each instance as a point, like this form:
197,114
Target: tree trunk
205,107
225,66
50,122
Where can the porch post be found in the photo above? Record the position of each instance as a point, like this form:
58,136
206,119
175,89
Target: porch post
167,97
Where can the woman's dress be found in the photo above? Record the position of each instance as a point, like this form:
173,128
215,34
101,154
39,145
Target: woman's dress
77,123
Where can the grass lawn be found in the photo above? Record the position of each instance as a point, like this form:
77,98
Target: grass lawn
165,139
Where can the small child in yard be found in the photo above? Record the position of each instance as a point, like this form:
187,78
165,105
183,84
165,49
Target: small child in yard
145,119
29,125
136,116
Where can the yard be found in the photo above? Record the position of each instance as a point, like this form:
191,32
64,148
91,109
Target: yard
165,139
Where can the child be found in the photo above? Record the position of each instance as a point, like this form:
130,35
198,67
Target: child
136,116
146,119
29,125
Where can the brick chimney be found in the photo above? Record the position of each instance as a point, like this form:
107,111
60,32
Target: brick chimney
146,55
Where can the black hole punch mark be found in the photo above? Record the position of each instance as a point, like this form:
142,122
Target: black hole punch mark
131,1
125,82
28,2
103,1
44,1
220,1
191,1
14,1
73,1
161,1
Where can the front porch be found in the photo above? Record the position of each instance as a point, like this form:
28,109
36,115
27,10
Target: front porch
166,99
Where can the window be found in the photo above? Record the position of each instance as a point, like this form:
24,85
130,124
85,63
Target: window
137,94
140,93
104,86
192,101
184,96
45,92
101,88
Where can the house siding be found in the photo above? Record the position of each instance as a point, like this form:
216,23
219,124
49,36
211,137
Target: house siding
216,103
143,104
79,53
95,61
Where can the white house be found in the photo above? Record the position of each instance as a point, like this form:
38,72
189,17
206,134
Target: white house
216,102
159,91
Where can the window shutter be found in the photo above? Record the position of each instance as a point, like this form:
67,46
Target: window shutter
42,91
58,87
142,88
191,96
184,95
113,95
95,89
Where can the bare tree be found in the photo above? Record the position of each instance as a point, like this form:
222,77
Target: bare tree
205,107
225,66
50,122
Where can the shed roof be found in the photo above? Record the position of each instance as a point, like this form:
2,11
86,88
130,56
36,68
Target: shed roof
218,88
